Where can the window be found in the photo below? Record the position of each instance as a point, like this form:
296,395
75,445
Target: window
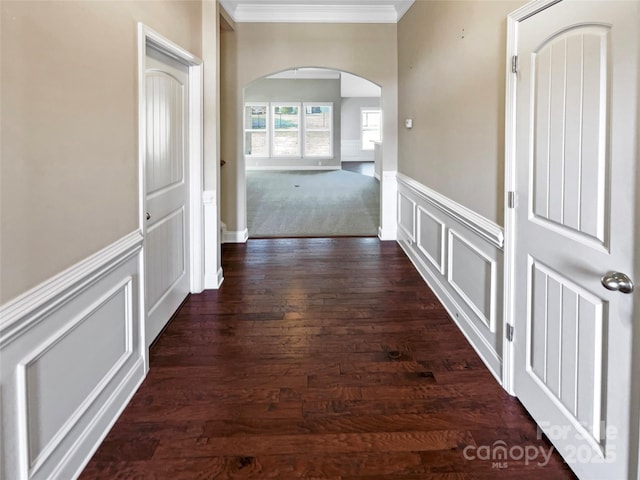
318,128
286,130
371,121
283,129
256,136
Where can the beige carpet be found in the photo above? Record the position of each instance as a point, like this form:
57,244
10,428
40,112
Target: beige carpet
312,204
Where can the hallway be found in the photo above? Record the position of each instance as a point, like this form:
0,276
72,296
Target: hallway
317,358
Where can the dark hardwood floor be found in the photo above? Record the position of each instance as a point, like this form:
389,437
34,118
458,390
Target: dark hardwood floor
324,359
363,168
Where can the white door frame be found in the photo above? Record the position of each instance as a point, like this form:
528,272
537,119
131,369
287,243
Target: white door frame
513,21
147,36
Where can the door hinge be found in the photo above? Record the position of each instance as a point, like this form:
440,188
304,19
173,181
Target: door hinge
510,332
511,199
514,64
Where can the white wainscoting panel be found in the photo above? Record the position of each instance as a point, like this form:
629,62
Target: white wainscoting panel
72,356
472,274
431,238
406,216
459,254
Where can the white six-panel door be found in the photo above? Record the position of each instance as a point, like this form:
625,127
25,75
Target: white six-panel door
166,190
576,127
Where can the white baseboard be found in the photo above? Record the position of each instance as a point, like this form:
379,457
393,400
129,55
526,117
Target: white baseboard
459,254
240,236
390,234
213,282
83,324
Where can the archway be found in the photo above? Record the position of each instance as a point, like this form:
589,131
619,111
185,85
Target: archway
305,131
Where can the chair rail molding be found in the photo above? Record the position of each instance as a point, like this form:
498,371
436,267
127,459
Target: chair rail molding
476,222
21,313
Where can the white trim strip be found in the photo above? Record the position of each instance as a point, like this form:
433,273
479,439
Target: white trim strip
472,220
24,311
239,236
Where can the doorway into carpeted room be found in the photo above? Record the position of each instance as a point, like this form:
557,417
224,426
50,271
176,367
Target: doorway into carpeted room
329,203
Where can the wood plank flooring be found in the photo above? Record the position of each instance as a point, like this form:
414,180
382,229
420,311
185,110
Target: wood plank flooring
363,168
318,359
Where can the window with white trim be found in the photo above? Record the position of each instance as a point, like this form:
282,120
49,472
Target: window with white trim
318,130
285,119
371,122
256,129
288,129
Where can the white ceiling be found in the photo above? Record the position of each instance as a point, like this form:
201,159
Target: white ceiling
316,11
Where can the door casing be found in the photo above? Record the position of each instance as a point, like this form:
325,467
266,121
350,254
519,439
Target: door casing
149,37
513,20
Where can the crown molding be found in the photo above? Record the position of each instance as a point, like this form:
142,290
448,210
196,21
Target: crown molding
375,12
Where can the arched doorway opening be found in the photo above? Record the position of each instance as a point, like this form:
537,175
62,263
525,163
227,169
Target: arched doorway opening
309,143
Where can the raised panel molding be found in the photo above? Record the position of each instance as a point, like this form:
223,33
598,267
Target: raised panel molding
483,287
406,216
459,255
572,372
38,368
432,252
72,356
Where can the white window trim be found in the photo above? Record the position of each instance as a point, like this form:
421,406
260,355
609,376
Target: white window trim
302,129
362,111
272,107
247,130
330,129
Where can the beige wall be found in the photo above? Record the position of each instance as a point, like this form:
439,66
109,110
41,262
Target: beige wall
254,50
451,82
69,160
